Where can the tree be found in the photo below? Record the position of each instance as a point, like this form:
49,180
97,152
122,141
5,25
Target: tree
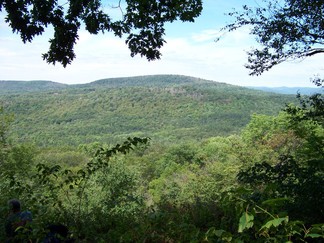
286,29
5,121
295,176
142,21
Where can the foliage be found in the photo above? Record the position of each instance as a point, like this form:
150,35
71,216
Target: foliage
267,138
166,108
285,30
142,21
263,185
307,121
299,184
63,195
5,121
278,199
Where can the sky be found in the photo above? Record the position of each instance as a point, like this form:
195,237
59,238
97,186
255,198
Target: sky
190,50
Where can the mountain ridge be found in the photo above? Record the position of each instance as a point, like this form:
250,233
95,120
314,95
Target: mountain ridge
174,109
14,86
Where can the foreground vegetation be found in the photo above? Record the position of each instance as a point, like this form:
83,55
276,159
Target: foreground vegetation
261,185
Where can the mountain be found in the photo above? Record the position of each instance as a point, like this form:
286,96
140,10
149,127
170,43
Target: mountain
15,87
289,90
167,108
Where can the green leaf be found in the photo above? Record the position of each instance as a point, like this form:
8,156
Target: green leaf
276,202
222,234
315,235
275,222
246,222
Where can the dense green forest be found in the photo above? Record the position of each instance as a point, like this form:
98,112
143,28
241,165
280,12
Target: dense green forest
164,108
163,159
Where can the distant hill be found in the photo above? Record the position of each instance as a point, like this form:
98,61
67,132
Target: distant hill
148,80
289,90
11,87
167,108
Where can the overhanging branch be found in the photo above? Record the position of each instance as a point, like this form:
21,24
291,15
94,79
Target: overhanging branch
314,52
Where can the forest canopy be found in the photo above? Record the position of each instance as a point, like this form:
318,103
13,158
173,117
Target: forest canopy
263,184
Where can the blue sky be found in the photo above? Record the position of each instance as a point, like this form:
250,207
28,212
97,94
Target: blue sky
190,50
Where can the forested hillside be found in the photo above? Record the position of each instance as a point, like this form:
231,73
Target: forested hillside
19,87
163,107
161,159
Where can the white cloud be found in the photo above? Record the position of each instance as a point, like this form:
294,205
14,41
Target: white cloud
103,56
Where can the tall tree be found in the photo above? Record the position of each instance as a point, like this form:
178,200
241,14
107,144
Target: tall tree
286,29
142,22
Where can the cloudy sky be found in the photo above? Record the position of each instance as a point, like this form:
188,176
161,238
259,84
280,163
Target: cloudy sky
190,50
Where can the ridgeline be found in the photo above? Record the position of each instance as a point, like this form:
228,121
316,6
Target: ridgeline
167,108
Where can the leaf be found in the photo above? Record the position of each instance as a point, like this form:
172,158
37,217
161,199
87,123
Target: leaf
276,202
246,222
275,222
315,235
222,234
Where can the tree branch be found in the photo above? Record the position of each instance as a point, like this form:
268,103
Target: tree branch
314,52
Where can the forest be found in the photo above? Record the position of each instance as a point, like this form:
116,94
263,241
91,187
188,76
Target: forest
162,107
162,159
